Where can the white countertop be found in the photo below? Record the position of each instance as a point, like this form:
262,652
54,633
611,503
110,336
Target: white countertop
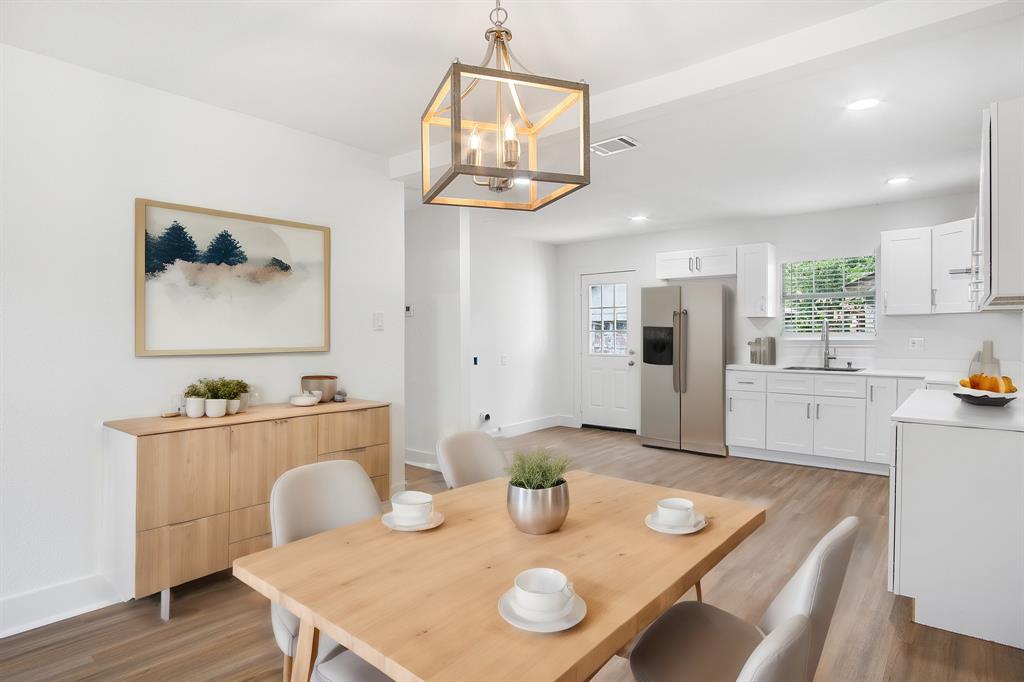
943,408
928,375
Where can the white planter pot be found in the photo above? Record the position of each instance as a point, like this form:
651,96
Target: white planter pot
195,407
244,400
216,407
234,406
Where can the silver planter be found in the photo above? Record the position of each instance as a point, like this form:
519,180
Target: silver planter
538,511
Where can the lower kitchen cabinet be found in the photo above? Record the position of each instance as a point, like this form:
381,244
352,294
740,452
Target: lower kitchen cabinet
883,399
789,423
745,421
839,427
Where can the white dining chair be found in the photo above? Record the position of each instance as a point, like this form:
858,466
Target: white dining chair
469,457
702,643
305,501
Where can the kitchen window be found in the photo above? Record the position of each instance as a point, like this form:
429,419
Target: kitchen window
840,290
608,319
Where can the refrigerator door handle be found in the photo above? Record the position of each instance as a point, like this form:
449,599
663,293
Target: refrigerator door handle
682,350
675,350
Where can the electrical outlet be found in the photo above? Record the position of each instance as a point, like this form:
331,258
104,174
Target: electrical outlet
915,343
408,311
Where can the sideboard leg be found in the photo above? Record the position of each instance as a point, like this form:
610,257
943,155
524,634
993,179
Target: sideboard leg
165,604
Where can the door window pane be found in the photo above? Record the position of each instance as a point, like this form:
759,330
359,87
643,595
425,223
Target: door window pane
608,319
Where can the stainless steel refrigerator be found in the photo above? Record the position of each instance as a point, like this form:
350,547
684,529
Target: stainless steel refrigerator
682,378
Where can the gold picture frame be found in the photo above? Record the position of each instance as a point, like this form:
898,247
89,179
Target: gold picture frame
146,347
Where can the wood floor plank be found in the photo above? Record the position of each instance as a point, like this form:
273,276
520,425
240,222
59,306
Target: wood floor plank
220,629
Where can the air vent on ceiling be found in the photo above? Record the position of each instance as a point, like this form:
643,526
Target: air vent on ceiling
614,145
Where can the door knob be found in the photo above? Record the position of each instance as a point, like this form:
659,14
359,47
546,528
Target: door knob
630,363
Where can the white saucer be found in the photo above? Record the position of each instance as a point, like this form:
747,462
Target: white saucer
575,614
435,520
675,530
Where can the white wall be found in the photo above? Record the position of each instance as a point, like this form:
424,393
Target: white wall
433,392
949,339
78,148
514,314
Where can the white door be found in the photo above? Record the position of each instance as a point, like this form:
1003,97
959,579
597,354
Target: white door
609,365
951,267
839,427
882,402
789,423
715,262
907,271
744,419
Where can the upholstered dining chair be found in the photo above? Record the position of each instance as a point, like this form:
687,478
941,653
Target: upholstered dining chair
305,501
698,642
469,457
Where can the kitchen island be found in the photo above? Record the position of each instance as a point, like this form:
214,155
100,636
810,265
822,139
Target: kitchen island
956,515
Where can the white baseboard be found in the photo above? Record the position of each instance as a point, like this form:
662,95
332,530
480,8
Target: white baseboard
528,426
28,610
810,460
422,459
571,422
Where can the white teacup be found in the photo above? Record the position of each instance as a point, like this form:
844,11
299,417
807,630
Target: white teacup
676,511
411,507
543,592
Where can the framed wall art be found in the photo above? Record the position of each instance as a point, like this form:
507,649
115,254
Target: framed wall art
211,282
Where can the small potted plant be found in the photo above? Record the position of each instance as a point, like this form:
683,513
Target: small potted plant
195,399
216,401
538,496
243,395
232,392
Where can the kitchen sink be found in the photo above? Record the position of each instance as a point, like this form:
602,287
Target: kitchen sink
829,369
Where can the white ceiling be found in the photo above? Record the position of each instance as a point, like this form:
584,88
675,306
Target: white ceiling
792,147
361,72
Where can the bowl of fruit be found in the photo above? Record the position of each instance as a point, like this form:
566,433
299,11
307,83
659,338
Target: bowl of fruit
984,389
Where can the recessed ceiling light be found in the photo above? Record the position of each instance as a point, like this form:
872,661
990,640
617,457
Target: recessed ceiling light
638,218
862,104
522,181
898,180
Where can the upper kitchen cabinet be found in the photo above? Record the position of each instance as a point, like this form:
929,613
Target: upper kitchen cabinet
951,267
907,271
999,240
717,262
757,280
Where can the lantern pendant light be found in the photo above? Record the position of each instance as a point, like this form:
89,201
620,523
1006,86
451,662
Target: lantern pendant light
497,138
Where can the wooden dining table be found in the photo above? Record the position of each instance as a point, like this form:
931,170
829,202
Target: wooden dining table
424,605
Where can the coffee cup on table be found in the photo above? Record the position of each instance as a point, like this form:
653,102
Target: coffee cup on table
543,592
411,507
676,511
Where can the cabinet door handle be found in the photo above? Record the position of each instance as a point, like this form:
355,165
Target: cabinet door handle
817,410
730,403
762,304
808,410
961,271
933,298
885,301
691,263
871,390
698,262
745,382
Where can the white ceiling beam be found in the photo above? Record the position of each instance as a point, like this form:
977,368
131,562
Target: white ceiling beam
816,46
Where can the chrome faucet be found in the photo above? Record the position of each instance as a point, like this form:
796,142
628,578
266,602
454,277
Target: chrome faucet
827,356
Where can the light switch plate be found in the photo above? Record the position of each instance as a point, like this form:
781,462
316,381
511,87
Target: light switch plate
378,321
408,311
915,343
504,359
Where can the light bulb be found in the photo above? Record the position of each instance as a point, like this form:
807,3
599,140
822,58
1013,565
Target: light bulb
510,130
474,139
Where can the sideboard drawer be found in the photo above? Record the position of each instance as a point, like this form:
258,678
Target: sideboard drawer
249,522
374,459
262,451
383,486
249,546
801,384
181,476
351,430
738,380
840,386
175,554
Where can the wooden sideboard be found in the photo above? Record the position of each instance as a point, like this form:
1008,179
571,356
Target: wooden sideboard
186,497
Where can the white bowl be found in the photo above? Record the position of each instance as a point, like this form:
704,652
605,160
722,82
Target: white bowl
304,400
978,391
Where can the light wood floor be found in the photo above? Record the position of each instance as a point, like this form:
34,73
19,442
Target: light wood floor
221,629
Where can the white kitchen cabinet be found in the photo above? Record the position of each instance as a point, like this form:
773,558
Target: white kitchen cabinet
951,267
904,387
790,423
757,290
717,262
745,421
906,271
839,427
882,400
